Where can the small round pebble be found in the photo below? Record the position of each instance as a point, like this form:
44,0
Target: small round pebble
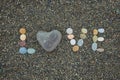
94,46
23,37
22,50
95,38
72,41
95,32
31,50
100,38
69,30
80,42
75,48
22,43
100,49
22,30
70,36
82,36
84,30
101,30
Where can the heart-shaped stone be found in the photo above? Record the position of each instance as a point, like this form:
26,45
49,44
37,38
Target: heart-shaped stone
49,40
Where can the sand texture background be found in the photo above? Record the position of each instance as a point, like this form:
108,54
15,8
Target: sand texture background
62,63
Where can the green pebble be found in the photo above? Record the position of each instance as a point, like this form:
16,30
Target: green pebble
95,38
82,36
31,50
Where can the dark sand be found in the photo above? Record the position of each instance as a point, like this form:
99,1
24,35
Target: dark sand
62,63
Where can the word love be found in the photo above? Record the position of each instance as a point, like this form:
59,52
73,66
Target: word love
83,35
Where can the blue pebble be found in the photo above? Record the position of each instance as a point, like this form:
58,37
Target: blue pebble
31,50
22,50
80,42
101,30
94,46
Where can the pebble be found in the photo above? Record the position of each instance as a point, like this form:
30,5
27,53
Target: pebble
22,43
100,50
95,38
75,48
100,38
72,41
22,30
94,46
101,30
23,37
31,50
49,40
69,30
22,50
80,42
95,32
82,36
70,36
84,30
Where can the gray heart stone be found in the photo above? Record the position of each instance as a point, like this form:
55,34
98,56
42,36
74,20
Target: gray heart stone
49,40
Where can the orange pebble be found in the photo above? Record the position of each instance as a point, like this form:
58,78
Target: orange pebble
95,32
22,30
75,48
70,36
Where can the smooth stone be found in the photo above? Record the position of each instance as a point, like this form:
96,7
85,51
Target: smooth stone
100,50
49,40
31,50
69,31
82,36
22,30
95,32
94,46
75,48
84,30
22,43
101,30
80,42
95,38
70,36
22,50
72,41
100,38
23,37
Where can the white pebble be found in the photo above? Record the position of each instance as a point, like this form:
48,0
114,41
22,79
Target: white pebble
101,30
72,41
100,38
69,30
100,50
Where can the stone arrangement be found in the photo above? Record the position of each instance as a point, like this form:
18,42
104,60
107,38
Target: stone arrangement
49,40
82,37
22,43
71,37
96,38
77,44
